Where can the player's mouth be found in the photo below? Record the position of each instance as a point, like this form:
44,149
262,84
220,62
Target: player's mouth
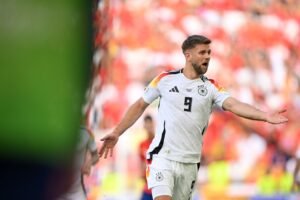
205,64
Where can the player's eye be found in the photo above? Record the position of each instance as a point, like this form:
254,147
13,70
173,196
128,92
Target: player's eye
204,52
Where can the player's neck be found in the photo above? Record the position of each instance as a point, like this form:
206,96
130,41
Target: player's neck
190,73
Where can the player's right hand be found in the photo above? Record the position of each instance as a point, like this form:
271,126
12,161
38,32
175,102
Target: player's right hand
109,141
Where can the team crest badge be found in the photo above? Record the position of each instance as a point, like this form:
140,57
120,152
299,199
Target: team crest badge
159,176
202,90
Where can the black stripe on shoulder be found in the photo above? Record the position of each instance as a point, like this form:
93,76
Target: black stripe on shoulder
174,71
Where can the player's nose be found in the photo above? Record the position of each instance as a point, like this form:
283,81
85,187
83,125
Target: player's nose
207,55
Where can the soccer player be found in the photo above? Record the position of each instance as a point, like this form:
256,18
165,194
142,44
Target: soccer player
186,101
143,147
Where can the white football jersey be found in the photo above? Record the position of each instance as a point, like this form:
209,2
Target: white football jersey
184,109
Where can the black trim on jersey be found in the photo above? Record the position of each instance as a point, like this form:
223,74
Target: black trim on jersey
193,184
159,102
174,72
203,78
157,149
198,165
203,131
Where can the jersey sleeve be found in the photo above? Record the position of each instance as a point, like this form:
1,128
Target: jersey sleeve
152,91
220,94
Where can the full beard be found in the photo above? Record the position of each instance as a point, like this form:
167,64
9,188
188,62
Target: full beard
198,69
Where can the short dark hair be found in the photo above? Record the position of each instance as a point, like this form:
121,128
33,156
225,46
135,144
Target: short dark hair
148,117
193,40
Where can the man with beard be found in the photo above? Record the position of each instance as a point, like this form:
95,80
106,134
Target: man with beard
186,101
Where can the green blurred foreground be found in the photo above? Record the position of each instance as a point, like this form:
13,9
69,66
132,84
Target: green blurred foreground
45,50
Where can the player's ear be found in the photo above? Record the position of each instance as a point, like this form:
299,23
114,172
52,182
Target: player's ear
187,55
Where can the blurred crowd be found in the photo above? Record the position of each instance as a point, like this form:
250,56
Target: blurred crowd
255,56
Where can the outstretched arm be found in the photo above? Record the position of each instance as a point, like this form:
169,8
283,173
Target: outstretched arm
250,112
131,116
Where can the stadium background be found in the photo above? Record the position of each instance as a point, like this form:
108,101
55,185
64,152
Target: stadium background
255,56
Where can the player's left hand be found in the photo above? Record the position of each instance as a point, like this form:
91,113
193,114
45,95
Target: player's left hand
277,117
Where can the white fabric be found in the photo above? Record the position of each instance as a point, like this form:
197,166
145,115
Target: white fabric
161,190
184,110
172,178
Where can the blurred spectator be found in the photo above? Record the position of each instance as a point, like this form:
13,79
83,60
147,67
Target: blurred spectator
86,156
296,174
144,145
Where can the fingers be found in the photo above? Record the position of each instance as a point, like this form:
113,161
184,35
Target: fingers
105,150
283,110
109,142
284,120
101,151
277,117
278,120
111,152
281,121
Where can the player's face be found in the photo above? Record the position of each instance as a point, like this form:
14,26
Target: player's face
199,58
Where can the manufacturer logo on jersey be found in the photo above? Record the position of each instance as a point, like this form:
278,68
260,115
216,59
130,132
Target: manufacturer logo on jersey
174,89
202,90
159,176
